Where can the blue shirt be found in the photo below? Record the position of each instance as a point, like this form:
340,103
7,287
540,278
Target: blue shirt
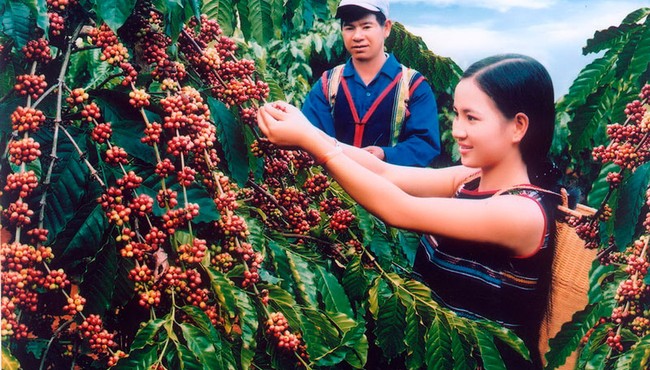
419,140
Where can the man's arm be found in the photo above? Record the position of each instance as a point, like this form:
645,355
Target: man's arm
420,138
317,109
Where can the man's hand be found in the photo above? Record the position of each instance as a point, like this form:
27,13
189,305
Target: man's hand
376,151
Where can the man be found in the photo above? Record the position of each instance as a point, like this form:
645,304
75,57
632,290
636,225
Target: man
372,101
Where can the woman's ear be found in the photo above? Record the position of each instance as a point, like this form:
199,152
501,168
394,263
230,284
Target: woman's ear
521,123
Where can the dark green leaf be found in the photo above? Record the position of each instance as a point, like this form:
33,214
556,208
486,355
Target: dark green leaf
89,236
127,124
114,13
592,76
568,339
208,211
641,57
184,359
640,354
409,242
249,323
389,329
588,126
600,186
632,198
506,336
609,38
355,282
231,138
146,334
320,336
213,353
489,353
414,338
636,16
264,17
224,12
201,321
461,352
17,22
98,281
332,292
438,344
35,347
140,359
304,278
281,301
223,290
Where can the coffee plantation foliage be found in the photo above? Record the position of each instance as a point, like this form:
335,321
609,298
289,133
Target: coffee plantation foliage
146,224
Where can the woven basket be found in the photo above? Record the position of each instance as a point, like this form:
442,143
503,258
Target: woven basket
570,277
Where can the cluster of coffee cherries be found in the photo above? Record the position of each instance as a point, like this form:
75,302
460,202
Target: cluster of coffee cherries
286,341
212,56
629,146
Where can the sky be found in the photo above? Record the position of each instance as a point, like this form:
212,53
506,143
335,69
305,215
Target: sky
551,31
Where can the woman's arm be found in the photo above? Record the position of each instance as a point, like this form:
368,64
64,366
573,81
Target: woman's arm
514,222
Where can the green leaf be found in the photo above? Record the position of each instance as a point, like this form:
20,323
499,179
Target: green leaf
640,354
231,137
600,187
590,120
140,359
354,280
98,281
208,209
489,353
506,336
461,352
377,294
9,362
409,242
282,301
224,11
39,12
608,38
414,337
320,336
264,17
146,334
249,323
304,278
213,353
389,329
201,321
569,336
593,75
641,57
127,124
222,289
332,292
636,16
183,358
438,344
631,200
281,264
114,13
17,22
87,237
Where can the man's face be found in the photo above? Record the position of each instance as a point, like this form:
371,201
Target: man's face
364,38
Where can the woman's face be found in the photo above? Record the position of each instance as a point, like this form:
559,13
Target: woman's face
483,133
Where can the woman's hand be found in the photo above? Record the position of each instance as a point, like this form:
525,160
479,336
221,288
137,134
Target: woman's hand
285,125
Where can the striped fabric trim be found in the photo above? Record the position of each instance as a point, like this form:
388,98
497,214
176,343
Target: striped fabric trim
475,270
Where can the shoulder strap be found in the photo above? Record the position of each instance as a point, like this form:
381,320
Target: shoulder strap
331,80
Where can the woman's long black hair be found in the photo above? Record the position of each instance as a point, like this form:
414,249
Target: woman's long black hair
520,84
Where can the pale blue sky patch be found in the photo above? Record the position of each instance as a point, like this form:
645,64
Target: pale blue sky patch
552,31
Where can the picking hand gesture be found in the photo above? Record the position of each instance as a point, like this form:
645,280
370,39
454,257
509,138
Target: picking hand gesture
285,125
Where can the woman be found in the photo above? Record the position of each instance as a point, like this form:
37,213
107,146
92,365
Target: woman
491,255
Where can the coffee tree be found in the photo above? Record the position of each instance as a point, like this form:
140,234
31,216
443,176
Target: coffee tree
147,224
